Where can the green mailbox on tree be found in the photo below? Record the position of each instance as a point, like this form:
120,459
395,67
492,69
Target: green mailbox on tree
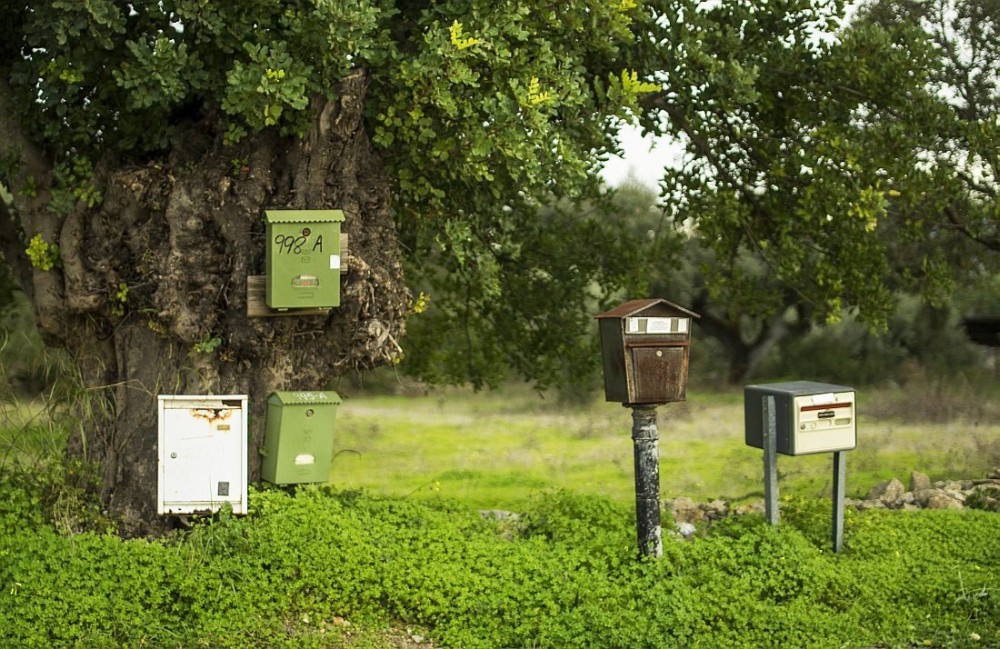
298,440
303,258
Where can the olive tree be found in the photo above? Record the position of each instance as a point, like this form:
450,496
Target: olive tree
140,142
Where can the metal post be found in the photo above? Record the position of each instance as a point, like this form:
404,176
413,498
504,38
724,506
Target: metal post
770,460
645,442
839,474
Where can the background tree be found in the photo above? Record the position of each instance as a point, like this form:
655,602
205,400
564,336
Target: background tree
823,149
959,139
140,143
678,265
564,262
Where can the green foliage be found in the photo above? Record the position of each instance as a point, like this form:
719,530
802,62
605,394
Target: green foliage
825,169
955,188
285,575
483,112
627,87
921,341
810,143
119,300
779,167
158,61
562,516
544,275
43,255
75,184
271,81
207,344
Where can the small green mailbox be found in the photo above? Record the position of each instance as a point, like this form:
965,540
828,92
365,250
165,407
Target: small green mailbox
298,440
303,258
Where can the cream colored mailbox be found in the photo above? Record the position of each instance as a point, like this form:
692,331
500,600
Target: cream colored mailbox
809,417
202,454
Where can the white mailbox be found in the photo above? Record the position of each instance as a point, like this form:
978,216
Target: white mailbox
809,417
202,454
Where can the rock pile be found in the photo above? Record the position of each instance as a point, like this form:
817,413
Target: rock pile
923,494
888,494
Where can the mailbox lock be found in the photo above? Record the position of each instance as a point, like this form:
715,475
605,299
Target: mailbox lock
659,353
173,455
310,412
306,232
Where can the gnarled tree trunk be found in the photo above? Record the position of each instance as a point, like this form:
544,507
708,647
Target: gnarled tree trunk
160,267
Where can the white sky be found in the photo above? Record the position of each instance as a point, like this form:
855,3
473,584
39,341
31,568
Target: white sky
644,159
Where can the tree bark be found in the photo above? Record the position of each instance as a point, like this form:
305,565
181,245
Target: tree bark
745,356
161,265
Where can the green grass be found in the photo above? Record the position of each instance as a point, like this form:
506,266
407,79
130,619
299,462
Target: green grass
408,555
330,568
27,436
493,450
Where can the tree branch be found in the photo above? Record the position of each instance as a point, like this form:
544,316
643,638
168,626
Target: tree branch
990,242
13,142
975,185
30,187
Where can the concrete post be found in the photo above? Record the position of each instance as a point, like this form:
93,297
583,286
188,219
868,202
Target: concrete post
770,460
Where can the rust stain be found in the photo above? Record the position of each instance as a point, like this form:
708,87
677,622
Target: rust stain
212,415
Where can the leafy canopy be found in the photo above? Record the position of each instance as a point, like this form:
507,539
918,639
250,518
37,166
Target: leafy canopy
474,101
839,154
823,149
482,111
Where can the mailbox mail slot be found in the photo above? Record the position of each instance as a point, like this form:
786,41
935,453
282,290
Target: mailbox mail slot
644,349
303,258
810,417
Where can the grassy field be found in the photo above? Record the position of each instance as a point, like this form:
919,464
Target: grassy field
492,450
320,567
27,436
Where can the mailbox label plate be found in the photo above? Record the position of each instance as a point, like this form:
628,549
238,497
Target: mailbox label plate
657,325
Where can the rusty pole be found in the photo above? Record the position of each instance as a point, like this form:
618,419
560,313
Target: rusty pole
645,442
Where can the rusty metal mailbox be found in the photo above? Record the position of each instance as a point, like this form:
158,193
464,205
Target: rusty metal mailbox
202,452
644,349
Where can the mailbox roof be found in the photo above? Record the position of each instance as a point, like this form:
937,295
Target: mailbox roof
304,216
326,398
633,307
